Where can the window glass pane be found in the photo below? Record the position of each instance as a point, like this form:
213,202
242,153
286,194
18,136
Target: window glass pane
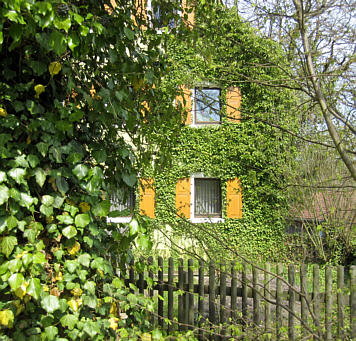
207,198
207,105
123,201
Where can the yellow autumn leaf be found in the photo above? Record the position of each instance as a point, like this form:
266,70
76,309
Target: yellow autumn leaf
3,112
39,88
73,250
19,307
28,140
77,292
84,207
146,337
113,308
54,68
20,292
59,276
6,318
114,323
73,304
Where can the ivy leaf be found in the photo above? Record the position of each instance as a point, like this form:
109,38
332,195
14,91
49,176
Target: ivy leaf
82,220
129,33
4,194
18,174
129,179
50,303
40,175
26,200
34,288
69,232
84,259
15,280
102,209
7,245
47,200
51,332
11,222
80,171
3,176
69,321
42,148
54,68
62,185
46,210
39,89
6,317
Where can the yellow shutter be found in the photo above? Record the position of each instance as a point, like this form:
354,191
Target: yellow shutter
147,197
190,20
234,198
183,197
187,103
233,103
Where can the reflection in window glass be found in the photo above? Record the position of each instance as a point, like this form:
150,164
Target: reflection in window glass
207,105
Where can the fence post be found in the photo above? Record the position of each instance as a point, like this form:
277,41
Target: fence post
291,280
267,294
279,302
191,294
141,280
132,273
233,292
160,292
353,301
328,303
150,291
170,293
180,296
222,297
340,302
244,293
201,298
316,300
212,293
256,297
305,299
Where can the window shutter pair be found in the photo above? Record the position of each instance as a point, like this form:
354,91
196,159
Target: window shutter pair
233,197
233,103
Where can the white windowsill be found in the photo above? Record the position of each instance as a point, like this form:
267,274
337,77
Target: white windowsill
207,220
118,220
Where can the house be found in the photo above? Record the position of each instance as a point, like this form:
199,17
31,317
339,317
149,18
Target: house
223,174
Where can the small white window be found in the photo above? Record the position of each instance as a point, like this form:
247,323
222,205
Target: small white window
206,201
122,206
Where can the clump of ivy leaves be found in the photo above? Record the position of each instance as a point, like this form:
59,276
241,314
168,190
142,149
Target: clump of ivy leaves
74,84
224,51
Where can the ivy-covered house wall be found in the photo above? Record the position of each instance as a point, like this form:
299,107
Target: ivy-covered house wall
224,186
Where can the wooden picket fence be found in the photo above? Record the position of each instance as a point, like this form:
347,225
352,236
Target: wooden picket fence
232,302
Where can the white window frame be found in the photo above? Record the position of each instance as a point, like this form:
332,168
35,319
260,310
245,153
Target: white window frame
194,124
193,219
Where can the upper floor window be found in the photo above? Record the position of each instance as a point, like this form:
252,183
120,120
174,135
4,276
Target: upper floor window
207,105
163,13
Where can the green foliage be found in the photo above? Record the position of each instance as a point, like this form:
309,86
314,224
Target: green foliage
75,85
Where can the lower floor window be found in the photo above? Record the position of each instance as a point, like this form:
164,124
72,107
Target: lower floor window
123,202
207,198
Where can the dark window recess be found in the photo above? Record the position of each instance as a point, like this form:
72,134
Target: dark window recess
123,202
207,105
159,14
207,201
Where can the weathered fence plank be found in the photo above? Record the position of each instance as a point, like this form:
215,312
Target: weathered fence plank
328,303
353,301
267,293
340,302
279,301
244,292
170,292
256,296
291,313
190,295
180,297
160,292
316,300
304,299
